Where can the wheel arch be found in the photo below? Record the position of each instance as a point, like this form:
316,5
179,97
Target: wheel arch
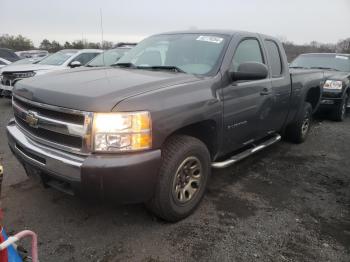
206,131
313,96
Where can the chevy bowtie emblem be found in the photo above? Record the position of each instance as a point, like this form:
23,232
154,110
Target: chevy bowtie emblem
32,119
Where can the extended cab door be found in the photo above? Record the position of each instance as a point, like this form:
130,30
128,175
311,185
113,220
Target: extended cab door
280,82
247,104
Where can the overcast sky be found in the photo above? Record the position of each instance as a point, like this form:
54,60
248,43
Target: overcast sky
299,21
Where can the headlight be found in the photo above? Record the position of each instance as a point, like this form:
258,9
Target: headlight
24,74
333,84
120,132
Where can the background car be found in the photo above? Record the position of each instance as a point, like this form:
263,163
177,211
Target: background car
8,54
32,53
67,58
336,87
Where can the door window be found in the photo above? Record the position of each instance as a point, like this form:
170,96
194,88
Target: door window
247,51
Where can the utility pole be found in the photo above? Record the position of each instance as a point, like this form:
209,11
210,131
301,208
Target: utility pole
101,23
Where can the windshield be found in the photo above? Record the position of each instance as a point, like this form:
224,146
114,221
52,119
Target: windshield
332,61
190,53
57,58
108,57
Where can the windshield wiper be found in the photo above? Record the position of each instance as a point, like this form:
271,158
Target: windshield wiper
168,68
129,65
326,68
299,67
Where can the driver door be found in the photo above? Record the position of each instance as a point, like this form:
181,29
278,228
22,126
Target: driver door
247,104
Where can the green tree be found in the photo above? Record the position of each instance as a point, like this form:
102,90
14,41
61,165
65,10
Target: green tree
67,45
93,45
55,46
79,44
343,46
45,45
107,45
17,43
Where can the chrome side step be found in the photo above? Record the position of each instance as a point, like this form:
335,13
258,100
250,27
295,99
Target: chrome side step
234,159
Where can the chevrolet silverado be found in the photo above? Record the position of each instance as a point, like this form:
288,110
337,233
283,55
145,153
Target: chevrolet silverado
150,128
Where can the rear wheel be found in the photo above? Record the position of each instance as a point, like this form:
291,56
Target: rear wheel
339,112
298,131
183,177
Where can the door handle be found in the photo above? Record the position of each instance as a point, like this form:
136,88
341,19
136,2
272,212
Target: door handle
266,91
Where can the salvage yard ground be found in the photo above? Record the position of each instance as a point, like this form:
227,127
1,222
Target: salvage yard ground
287,203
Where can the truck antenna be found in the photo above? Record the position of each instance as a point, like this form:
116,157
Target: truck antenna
101,23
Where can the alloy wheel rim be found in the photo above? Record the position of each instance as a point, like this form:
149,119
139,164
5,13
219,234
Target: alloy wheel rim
305,126
187,180
343,110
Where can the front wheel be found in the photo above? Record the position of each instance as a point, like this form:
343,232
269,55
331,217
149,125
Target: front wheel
298,131
340,110
183,177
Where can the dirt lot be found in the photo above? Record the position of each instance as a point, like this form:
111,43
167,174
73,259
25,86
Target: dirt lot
287,203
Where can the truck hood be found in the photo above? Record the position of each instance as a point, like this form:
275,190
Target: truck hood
96,89
328,74
30,67
341,76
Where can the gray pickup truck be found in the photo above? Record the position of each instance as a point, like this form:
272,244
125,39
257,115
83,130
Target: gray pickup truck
151,128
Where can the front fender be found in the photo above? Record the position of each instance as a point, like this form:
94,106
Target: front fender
175,107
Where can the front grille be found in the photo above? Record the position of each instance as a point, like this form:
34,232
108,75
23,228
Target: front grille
73,118
48,135
57,127
10,78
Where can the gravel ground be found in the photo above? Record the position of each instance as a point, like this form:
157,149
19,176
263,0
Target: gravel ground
287,203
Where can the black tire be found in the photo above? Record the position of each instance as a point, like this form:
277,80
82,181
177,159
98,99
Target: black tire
298,131
166,203
339,112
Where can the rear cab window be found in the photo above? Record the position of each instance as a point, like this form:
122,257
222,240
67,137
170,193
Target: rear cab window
274,57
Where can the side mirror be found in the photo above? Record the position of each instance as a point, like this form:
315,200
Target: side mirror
250,71
75,64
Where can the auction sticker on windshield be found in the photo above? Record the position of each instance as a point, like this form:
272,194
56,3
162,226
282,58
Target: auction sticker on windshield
211,39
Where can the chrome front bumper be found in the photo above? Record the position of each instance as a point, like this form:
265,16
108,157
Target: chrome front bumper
55,162
127,178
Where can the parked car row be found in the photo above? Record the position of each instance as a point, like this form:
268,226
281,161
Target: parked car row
150,127
64,59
